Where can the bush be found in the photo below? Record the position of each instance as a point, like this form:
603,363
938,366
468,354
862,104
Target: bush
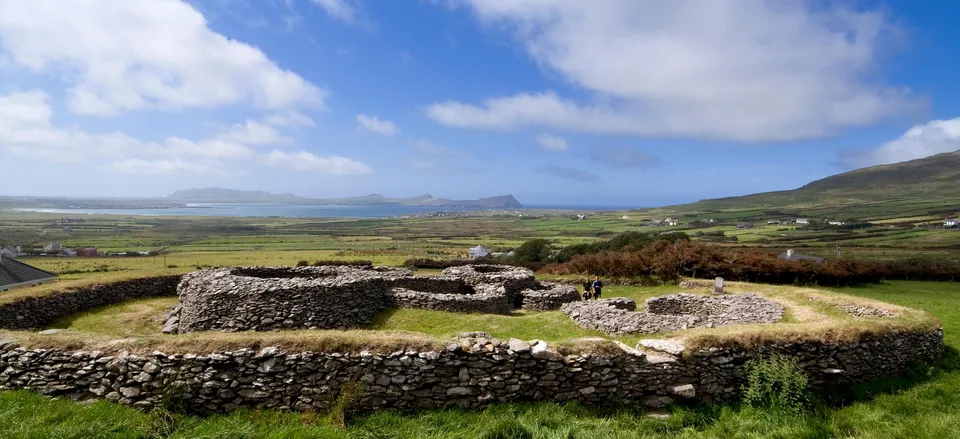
303,263
776,383
534,250
439,264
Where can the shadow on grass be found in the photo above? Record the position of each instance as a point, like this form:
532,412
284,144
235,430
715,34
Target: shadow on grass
861,392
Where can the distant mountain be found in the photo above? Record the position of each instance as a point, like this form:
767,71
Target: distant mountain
220,195
936,178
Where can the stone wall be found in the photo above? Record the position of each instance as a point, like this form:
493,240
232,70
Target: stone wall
39,311
548,297
472,372
673,312
260,299
481,302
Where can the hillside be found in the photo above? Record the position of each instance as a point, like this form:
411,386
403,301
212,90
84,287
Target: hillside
221,195
934,178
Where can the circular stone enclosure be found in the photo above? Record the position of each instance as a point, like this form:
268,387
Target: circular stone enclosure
673,312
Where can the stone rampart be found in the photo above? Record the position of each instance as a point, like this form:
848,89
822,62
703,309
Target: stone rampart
673,312
38,311
548,297
470,373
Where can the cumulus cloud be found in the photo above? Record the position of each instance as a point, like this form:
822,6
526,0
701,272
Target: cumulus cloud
567,173
254,133
551,142
304,161
934,137
622,157
139,166
127,55
375,125
746,70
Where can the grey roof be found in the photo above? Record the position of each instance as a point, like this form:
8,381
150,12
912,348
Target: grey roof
799,257
13,272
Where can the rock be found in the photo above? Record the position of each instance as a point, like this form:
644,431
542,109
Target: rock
684,391
7,344
171,326
587,390
666,346
657,401
474,334
130,392
539,350
628,349
832,371
51,331
459,391
518,346
253,394
151,368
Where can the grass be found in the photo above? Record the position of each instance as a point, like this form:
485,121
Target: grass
924,405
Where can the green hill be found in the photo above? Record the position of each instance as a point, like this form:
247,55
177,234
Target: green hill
931,179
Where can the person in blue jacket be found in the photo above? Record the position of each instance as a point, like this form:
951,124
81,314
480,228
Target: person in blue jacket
597,287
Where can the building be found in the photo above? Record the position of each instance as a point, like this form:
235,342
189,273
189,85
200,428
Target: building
88,252
773,222
790,255
950,222
835,223
53,247
802,221
744,226
626,217
15,274
9,251
478,252
671,222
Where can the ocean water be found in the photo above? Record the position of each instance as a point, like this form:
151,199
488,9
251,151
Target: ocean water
293,210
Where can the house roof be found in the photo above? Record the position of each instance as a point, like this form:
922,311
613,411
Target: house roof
13,272
800,257
479,251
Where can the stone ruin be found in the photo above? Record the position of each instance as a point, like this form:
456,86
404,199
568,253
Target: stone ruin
342,297
619,316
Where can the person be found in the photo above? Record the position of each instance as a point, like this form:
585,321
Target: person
587,290
597,287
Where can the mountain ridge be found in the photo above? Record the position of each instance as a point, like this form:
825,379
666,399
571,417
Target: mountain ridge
223,195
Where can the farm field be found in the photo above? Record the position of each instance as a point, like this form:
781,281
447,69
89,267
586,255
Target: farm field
924,405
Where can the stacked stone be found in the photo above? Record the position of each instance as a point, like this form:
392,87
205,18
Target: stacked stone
548,297
262,299
474,371
865,311
695,284
39,311
673,313
492,302
513,279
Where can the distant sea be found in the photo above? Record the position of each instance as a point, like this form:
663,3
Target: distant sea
302,211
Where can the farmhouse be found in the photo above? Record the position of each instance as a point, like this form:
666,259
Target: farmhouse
478,252
803,221
53,247
14,274
835,223
950,222
790,255
744,226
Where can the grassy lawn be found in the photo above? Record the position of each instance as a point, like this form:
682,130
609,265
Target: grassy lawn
925,405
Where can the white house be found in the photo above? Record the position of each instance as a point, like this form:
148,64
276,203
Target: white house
478,252
835,223
672,222
626,217
803,221
950,222
53,247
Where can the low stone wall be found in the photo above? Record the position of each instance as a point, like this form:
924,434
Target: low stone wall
551,297
673,312
432,284
473,372
513,279
36,312
261,299
488,303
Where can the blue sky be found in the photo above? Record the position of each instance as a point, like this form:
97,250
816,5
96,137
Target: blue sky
610,102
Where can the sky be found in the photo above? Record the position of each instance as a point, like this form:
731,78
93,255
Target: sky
562,102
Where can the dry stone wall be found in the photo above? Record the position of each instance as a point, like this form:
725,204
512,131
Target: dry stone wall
548,297
472,372
672,313
39,311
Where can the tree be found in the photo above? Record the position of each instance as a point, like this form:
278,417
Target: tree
534,250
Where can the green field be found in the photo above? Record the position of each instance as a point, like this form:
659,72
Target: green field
924,405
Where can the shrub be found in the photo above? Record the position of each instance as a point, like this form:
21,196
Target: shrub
303,263
776,383
534,250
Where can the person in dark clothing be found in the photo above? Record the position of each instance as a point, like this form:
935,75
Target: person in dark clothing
587,290
597,287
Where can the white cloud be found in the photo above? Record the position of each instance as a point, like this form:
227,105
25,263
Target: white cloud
289,119
375,125
138,166
339,9
254,133
304,161
934,137
551,142
126,55
747,70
